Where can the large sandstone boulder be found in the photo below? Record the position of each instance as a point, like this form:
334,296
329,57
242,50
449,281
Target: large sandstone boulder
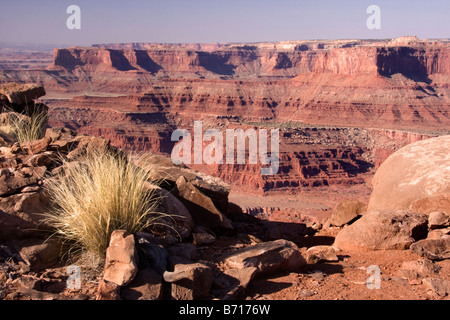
383,229
417,171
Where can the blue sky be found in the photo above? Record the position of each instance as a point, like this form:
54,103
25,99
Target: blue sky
44,21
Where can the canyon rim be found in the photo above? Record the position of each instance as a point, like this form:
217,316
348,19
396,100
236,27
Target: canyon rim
265,170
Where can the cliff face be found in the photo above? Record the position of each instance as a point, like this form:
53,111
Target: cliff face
253,61
137,94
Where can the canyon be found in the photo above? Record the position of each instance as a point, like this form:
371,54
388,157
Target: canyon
342,106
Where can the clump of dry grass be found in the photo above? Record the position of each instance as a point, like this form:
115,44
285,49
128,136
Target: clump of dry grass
28,126
103,193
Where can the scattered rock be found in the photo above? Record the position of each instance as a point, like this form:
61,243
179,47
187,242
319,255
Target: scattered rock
440,287
306,293
387,229
267,257
433,249
33,294
13,180
107,290
319,254
36,146
212,187
418,269
203,238
121,259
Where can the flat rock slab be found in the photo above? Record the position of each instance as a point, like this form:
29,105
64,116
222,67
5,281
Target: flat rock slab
18,93
267,257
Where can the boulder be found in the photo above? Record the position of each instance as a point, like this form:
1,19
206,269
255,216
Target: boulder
202,238
173,207
267,257
107,290
151,253
39,253
232,283
147,285
83,145
430,204
214,188
433,249
438,219
319,254
384,229
190,281
414,172
418,269
440,287
439,233
346,211
121,258
200,206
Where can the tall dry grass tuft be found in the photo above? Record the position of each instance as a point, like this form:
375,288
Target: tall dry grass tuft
96,196
28,126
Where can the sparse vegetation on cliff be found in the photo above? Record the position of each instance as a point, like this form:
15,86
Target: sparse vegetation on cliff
28,126
103,193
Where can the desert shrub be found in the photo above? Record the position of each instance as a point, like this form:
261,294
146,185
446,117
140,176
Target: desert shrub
98,195
28,126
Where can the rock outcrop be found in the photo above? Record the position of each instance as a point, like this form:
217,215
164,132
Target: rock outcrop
383,230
